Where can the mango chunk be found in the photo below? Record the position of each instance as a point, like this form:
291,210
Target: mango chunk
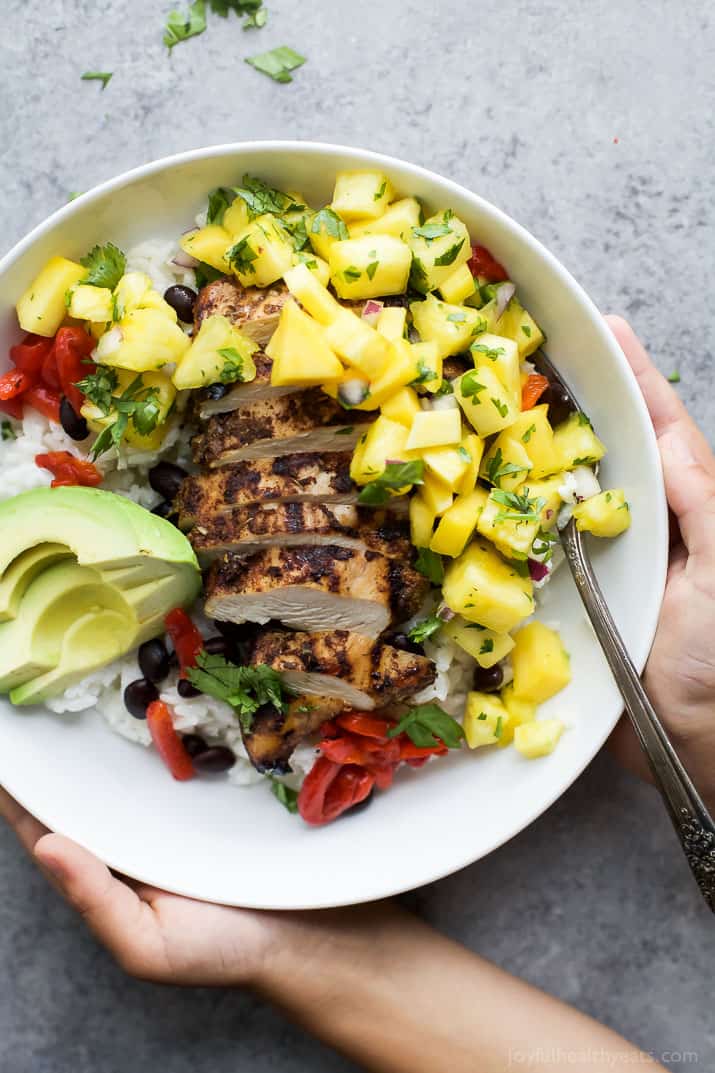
312,295
576,444
359,345
384,442
439,247
451,327
458,286
219,353
539,738
403,406
91,303
604,515
391,322
299,352
483,588
501,354
485,646
41,309
485,719
261,253
434,428
208,244
520,326
446,464
361,194
540,664
369,267
458,523
486,403
421,522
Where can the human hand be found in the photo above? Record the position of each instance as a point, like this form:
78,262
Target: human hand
152,935
680,673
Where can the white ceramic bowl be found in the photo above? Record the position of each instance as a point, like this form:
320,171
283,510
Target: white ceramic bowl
213,841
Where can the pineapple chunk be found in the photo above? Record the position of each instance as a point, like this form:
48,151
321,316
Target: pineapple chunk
391,322
506,464
428,366
97,420
485,401
604,515
398,372
451,327
370,266
485,646
436,495
398,220
434,428
90,303
439,247
402,406
299,351
41,309
236,217
219,353
514,534
130,292
315,264
481,587
539,738
261,253
576,444
421,522
359,345
503,356
447,464
520,710
361,194
312,295
458,523
533,430
208,244
384,441
148,341
548,490
324,230
485,719
458,286
520,326
153,300
472,445
540,664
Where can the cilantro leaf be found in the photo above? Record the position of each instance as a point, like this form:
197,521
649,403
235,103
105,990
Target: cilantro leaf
425,629
97,76
449,256
245,688
298,231
501,407
233,365
328,222
497,468
427,726
278,63
351,273
469,384
287,797
674,377
372,269
394,477
261,198
487,646
528,434
99,387
105,266
242,254
256,20
219,201
432,231
520,507
206,274
180,27
8,432
137,403
424,373
489,352
430,565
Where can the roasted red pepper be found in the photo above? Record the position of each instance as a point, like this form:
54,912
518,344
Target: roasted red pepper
44,400
534,387
168,743
68,470
481,263
30,354
12,407
14,384
366,725
72,349
330,789
185,637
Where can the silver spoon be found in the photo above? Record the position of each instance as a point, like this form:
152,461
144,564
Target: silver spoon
692,821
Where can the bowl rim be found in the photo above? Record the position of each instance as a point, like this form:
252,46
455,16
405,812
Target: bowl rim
330,150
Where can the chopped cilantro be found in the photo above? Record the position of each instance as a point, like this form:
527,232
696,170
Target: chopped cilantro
287,797
351,273
219,201
418,275
381,191
520,507
246,689
674,377
457,318
277,64
586,460
469,384
425,629
256,20
241,255
206,274
233,365
583,419
498,727
501,407
8,432
372,269
449,256
430,565
432,231
105,266
464,454
260,198
445,388
489,352
427,726
328,222
346,431
99,387
424,373
526,330
394,477
487,646
137,403
528,434
609,497
180,27
97,76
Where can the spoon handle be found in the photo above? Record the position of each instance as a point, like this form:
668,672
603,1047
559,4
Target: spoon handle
693,824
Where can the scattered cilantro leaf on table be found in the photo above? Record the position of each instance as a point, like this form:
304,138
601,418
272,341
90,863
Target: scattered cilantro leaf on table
277,63
181,26
97,76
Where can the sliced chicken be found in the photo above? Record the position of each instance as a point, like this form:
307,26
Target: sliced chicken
249,529
255,310
315,588
363,673
241,394
274,735
308,421
315,478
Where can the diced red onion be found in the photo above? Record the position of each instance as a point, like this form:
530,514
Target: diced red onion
184,260
504,295
446,613
371,311
537,571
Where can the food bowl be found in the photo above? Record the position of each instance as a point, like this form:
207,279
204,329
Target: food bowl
211,840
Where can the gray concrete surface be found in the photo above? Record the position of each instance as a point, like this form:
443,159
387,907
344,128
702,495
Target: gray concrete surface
592,124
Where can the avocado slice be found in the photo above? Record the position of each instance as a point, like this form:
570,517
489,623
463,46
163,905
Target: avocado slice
20,573
73,554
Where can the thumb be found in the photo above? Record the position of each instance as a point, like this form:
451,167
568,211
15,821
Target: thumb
688,462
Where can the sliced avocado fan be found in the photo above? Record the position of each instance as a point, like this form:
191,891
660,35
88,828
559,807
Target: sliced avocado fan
85,577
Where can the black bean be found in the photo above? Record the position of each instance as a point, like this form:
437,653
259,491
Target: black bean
138,695
166,510
217,646
215,758
559,403
403,642
73,423
488,679
154,661
165,478
194,744
185,689
182,300
215,391
397,300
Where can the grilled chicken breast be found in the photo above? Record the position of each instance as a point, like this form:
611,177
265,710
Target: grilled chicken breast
315,588
240,394
363,673
254,310
274,735
314,478
249,529
308,421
